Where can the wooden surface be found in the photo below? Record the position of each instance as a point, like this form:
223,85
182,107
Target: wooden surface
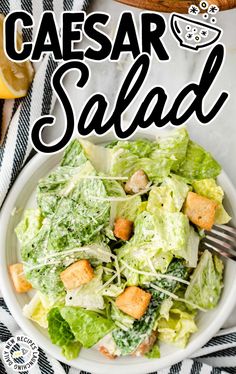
179,6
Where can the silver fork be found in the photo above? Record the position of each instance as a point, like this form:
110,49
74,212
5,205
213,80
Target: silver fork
221,239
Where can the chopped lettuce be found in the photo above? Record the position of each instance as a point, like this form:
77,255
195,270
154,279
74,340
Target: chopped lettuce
156,239
198,164
126,209
169,196
77,206
178,190
154,352
29,226
209,189
128,157
49,190
64,178
76,224
121,318
177,328
60,334
37,309
172,145
62,182
74,155
87,326
71,350
84,296
165,308
160,198
71,328
191,253
114,188
206,282
99,156
46,278
145,247
128,341
113,290
129,209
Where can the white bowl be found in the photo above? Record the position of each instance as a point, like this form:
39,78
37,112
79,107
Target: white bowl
22,196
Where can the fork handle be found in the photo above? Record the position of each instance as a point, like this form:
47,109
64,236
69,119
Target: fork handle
179,6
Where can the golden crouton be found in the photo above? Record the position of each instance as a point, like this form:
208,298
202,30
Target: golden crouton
18,278
123,228
133,301
77,274
137,182
200,210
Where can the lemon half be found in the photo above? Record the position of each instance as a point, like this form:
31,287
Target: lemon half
15,78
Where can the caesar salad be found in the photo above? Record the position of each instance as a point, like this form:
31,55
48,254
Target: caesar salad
111,255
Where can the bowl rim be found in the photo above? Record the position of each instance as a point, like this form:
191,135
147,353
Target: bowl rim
31,330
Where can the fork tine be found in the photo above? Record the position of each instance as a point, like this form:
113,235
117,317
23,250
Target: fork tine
230,229
224,236
210,247
219,243
221,239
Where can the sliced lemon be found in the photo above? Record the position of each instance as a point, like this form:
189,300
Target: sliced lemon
15,78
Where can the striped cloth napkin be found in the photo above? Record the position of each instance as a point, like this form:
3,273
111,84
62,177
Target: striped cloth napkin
219,354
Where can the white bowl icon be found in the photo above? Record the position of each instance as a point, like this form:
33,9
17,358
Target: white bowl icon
179,25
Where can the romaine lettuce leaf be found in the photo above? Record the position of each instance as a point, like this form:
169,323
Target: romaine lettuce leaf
140,147
156,239
99,156
209,189
88,327
36,310
160,198
113,290
43,271
169,196
125,209
51,188
165,308
129,209
46,278
77,224
79,215
113,188
179,190
177,328
32,249
145,246
198,164
154,352
61,182
71,350
206,282
128,157
191,253
118,316
74,155
60,334
172,145
29,226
